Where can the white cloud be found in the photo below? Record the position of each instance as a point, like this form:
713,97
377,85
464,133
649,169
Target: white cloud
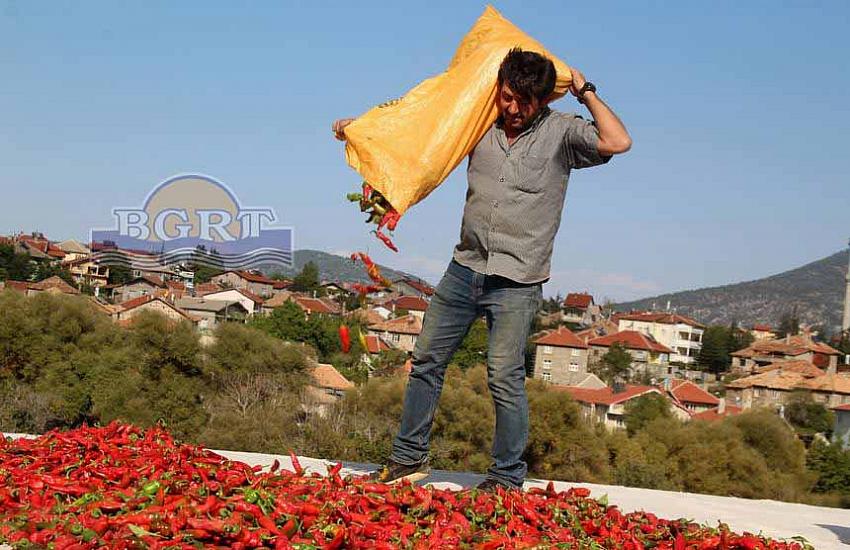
616,286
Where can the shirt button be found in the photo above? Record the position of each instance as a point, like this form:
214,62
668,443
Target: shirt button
508,154
502,180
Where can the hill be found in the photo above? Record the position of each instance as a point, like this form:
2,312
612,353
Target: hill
815,289
334,268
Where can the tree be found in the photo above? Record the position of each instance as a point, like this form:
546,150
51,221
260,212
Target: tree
308,279
714,355
615,365
806,415
473,348
14,266
789,323
119,274
644,409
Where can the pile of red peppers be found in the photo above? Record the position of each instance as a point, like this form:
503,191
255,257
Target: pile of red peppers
119,486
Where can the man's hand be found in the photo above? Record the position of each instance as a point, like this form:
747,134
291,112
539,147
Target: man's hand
578,82
613,136
339,127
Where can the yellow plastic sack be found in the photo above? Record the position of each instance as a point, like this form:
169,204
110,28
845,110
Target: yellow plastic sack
407,147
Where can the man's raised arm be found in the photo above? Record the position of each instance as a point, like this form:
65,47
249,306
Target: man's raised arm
613,136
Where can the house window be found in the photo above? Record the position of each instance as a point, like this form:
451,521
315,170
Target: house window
547,349
573,366
576,352
547,363
395,337
547,376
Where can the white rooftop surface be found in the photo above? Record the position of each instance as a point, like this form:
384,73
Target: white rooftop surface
825,528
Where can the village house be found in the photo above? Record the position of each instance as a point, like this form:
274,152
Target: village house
86,271
580,309
607,406
366,316
721,411
212,312
51,285
800,347
560,357
401,333
762,332
326,386
147,285
202,289
316,306
681,334
414,305
73,250
690,396
648,356
129,309
411,287
256,283
334,289
252,303
773,384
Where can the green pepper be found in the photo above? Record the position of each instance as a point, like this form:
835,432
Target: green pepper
251,495
151,488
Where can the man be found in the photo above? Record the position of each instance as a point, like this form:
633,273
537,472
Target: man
518,176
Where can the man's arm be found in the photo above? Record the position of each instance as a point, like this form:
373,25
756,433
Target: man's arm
613,136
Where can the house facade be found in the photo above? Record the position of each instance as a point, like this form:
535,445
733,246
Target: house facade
648,356
211,313
401,333
681,334
799,347
559,356
607,406
580,309
256,283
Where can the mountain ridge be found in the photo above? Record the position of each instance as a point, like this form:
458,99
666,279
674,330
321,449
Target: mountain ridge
815,289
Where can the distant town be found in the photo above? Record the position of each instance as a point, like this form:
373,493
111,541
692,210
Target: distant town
603,358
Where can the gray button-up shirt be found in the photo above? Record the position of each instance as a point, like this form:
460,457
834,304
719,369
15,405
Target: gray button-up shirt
516,195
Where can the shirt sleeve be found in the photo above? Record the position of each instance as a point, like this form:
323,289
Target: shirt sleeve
581,141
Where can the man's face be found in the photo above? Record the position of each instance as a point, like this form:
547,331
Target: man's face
517,111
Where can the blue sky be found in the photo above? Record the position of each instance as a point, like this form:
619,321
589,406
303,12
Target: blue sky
738,111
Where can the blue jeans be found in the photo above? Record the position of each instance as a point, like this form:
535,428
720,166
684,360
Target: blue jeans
461,297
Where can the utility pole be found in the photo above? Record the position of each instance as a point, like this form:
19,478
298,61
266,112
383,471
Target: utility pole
845,323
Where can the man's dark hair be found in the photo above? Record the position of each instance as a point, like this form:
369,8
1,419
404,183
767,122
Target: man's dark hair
529,74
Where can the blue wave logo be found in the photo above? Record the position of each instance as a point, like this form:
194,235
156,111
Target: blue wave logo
193,219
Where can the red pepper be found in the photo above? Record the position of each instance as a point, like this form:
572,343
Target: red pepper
344,338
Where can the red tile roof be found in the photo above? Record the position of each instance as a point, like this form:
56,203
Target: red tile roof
326,376
255,277
579,300
630,339
409,324
663,318
686,391
762,328
412,303
844,407
562,337
314,305
142,300
55,282
206,288
790,346
714,414
374,344
422,287
606,396
281,285
796,365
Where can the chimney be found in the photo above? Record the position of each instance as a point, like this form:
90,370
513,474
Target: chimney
721,407
788,338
